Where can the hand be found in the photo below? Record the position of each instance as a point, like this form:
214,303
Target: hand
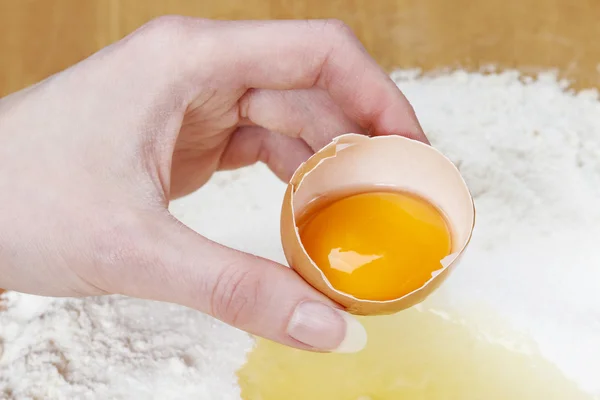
91,157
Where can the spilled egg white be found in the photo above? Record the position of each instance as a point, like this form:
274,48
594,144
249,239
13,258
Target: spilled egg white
353,162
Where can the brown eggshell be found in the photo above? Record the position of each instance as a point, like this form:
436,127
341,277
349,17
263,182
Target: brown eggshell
353,162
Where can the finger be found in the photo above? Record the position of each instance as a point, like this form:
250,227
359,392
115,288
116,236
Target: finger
286,55
308,114
254,294
250,144
283,55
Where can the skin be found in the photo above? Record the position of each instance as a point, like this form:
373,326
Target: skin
91,157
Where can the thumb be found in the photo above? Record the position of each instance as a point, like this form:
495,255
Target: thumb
251,293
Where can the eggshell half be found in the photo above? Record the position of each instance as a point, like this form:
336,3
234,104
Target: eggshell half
352,162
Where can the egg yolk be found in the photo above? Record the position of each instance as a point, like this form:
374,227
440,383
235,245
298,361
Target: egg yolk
378,245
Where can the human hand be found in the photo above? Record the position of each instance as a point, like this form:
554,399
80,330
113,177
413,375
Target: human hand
91,157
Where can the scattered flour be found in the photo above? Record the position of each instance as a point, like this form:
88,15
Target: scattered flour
531,155
115,348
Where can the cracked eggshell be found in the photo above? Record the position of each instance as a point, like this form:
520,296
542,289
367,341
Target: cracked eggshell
352,162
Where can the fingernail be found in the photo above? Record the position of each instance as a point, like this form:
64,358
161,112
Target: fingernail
327,329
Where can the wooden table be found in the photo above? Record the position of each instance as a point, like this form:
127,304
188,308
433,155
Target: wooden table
40,37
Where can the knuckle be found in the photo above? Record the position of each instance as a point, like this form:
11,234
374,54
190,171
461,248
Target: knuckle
338,29
165,24
149,42
169,31
169,47
235,295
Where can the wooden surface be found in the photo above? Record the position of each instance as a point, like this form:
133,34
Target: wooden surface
40,37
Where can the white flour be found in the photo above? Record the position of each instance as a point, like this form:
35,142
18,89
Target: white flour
531,155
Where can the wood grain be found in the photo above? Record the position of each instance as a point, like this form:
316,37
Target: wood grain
40,37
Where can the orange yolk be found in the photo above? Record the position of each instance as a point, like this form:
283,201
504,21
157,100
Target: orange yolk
379,245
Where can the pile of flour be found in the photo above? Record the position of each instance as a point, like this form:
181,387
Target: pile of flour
530,152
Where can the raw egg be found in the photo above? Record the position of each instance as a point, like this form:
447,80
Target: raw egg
376,223
377,245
